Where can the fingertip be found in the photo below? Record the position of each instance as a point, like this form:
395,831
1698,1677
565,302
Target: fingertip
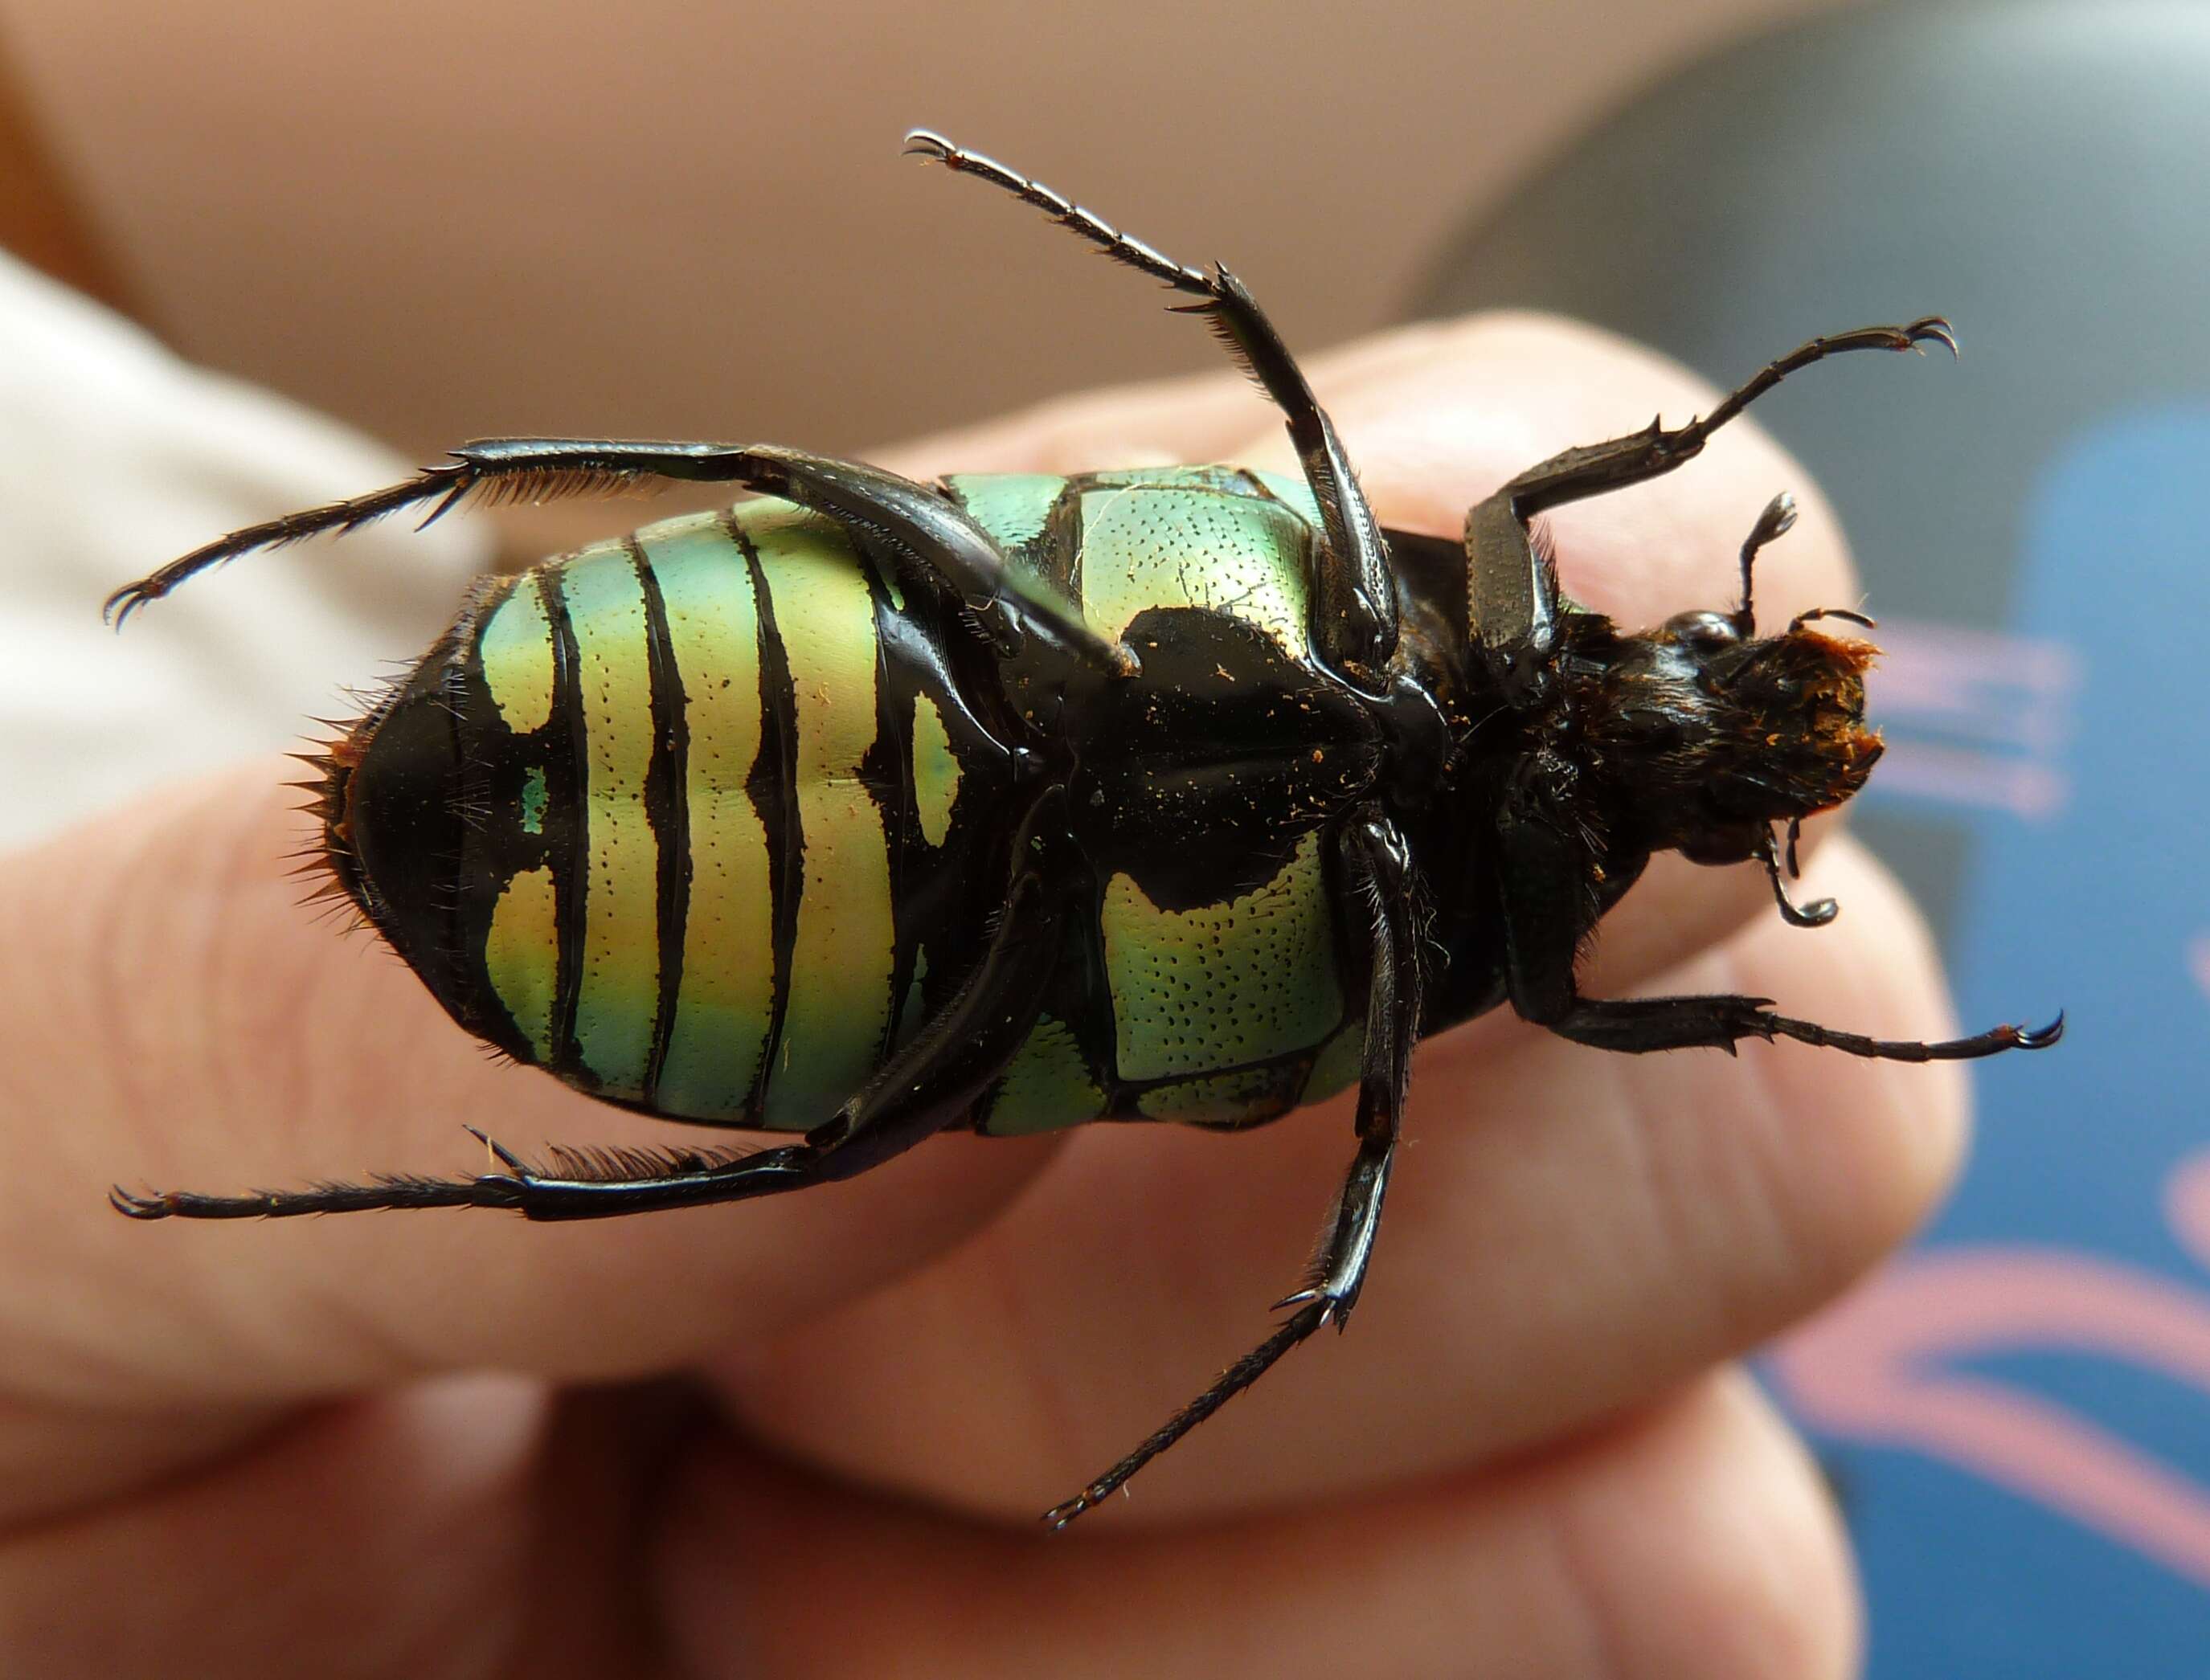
1714,1549
186,1023
1692,1539
1437,415
1859,1152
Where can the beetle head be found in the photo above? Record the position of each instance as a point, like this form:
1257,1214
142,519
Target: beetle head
1717,737
1714,735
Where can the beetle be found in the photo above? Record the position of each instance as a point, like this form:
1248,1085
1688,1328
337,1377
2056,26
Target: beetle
870,809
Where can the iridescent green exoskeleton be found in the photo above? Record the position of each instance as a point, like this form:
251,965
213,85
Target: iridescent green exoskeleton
869,809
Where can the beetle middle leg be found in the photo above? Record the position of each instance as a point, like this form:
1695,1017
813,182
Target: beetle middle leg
929,1084
1378,888
1355,609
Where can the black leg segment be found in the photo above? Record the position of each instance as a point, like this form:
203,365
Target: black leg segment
932,540
1542,902
1657,449
1378,894
1513,601
1721,1021
1356,605
926,1087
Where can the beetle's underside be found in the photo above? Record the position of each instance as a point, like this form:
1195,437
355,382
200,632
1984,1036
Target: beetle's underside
882,808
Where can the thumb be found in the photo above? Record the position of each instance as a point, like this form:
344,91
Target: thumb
169,1016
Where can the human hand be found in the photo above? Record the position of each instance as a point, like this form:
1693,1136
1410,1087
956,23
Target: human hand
247,1450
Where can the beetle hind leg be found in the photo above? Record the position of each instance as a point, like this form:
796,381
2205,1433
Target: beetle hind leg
509,1188
924,532
576,1184
929,1085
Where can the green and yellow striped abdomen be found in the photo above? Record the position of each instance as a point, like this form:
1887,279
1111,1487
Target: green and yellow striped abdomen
736,811
698,794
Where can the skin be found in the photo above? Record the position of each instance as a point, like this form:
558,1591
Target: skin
271,1450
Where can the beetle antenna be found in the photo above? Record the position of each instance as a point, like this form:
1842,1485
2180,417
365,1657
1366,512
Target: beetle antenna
1778,519
1815,914
1803,619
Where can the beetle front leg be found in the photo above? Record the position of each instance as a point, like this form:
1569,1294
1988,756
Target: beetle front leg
1512,589
1355,606
1379,890
1657,449
1721,1020
1546,909
929,1085
1512,603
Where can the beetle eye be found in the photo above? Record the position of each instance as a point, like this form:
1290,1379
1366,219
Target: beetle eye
1702,632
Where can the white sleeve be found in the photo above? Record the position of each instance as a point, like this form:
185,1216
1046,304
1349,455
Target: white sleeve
115,456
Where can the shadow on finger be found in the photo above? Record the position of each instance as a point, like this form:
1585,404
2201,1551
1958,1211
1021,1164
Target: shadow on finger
1696,1541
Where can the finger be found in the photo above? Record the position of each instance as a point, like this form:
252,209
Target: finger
1568,1232
299,1069
173,1016
429,1494
1696,1541
1435,417
276,1054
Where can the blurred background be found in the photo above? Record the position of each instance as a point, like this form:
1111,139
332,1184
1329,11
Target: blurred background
440,222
